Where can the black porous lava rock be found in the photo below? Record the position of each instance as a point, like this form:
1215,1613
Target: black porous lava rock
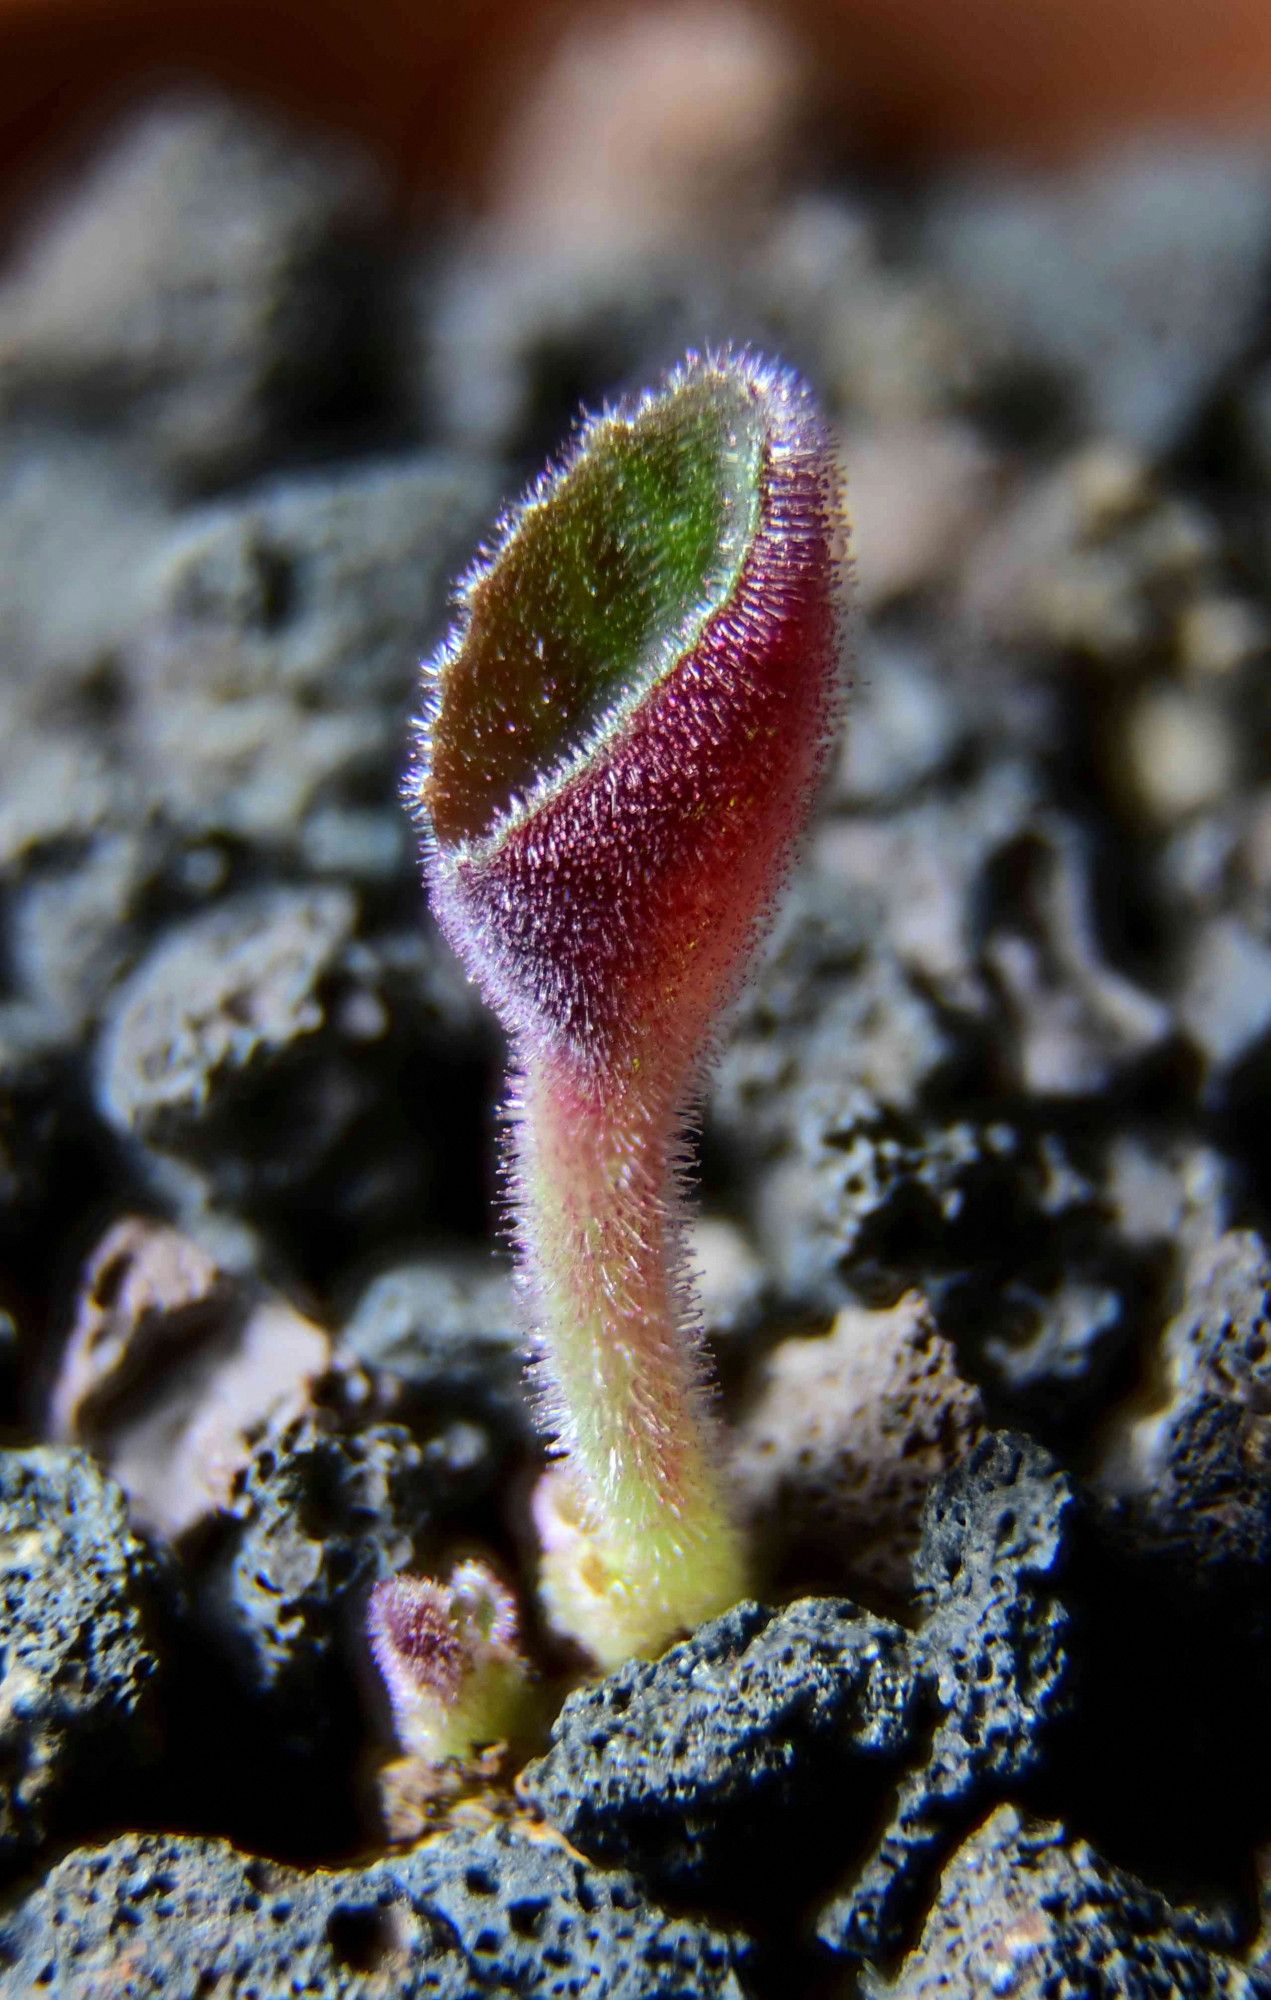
1018,1236
252,1064
471,1912
81,1633
995,1647
893,1199
1025,1913
873,996
870,1035
1195,1473
1177,1644
908,725
310,586
71,925
729,1751
499,340
709,1769
329,1506
893,1191
997,1537
1224,1003
1076,1025
1060,1333
318,1517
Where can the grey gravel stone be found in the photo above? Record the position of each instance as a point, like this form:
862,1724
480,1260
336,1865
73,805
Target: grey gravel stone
1109,277
1065,1338
161,1917
996,1649
443,1333
709,1768
273,674
834,1456
1192,1473
886,1195
1019,1236
229,991
867,1033
316,1519
221,1054
79,525
71,927
32,1108
1225,1000
1076,1026
200,284
1097,561
498,334
916,878
266,1064
81,1618
61,787
907,726
1024,1911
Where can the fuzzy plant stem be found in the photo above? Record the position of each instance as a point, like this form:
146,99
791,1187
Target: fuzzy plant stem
634,1520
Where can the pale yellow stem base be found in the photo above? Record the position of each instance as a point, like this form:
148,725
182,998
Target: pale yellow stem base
620,1601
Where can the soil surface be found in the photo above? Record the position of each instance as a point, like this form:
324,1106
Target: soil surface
984,1177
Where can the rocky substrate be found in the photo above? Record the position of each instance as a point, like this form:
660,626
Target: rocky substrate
985,1245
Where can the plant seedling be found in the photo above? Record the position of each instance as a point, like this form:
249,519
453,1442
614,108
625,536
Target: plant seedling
448,1654
620,746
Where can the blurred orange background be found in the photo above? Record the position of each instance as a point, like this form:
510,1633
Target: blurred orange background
429,85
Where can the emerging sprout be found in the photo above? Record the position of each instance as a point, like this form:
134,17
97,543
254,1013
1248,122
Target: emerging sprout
448,1654
622,738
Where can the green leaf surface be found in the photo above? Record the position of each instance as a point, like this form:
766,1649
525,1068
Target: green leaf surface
599,586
